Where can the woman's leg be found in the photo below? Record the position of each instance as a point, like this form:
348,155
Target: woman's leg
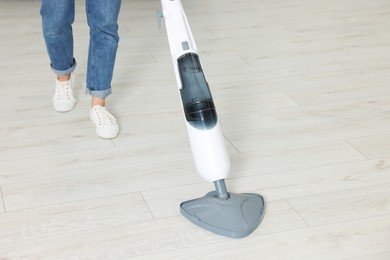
57,20
102,18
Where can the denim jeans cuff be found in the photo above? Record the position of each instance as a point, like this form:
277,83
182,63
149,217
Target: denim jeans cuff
65,72
98,93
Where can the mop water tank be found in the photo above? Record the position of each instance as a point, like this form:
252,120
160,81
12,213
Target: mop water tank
195,93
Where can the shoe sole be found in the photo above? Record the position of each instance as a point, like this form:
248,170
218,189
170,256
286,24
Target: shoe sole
106,136
63,108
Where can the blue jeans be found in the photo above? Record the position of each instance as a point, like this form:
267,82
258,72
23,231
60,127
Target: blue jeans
102,17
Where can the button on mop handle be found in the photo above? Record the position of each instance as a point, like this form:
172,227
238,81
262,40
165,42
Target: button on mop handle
206,139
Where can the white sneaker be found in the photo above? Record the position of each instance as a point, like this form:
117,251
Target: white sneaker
106,125
63,99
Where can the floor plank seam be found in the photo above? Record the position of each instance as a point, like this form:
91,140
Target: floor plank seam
381,36
2,199
200,182
245,61
350,189
295,101
342,64
51,237
299,169
352,220
367,136
345,140
147,205
230,142
300,216
51,205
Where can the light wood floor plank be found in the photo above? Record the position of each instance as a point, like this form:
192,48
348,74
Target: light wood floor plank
344,206
383,256
66,218
373,147
329,242
177,241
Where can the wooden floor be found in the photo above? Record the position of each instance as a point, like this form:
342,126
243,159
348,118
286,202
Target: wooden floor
302,89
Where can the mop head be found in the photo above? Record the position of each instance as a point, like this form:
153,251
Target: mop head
238,216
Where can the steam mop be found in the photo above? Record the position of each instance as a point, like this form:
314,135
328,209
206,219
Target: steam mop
219,211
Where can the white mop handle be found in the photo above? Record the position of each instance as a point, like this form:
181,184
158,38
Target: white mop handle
179,32
207,142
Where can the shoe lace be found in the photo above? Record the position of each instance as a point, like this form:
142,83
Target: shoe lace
104,117
63,91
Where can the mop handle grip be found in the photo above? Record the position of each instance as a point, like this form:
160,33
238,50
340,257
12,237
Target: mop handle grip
180,38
